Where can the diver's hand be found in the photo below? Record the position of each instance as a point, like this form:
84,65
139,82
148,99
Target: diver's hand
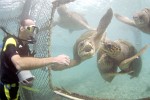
60,62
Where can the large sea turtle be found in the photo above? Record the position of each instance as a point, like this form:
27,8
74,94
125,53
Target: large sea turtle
70,20
118,53
141,20
88,43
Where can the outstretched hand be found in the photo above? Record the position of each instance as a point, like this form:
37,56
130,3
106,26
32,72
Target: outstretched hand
63,59
60,62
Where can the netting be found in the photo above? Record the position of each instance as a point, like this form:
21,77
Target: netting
42,47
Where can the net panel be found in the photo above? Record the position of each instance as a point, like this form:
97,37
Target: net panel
43,76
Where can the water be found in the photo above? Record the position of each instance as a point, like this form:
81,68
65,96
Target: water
85,78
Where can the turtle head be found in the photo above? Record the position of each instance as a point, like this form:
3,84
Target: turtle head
62,10
86,49
111,48
141,18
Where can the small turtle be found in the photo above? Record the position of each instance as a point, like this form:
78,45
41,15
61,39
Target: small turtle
88,43
141,20
70,20
118,53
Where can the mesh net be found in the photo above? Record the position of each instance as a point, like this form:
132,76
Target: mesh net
42,47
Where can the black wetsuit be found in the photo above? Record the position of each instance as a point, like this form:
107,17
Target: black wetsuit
9,80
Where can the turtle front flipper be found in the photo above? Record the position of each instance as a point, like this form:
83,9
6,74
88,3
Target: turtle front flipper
125,20
57,67
103,23
107,67
125,64
74,62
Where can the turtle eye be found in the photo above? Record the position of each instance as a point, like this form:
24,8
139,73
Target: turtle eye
81,44
109,46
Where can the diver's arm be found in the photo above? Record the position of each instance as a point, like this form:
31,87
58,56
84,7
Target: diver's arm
72,63
28,63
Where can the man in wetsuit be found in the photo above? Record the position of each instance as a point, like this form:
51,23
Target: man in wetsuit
15,57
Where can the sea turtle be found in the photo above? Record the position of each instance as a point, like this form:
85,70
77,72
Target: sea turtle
88,43
118,53
141,20
70,20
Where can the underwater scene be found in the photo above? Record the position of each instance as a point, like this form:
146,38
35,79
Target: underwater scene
86,78
108,42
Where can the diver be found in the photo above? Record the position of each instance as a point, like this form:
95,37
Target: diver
16,57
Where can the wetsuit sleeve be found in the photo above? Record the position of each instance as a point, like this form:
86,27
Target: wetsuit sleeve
10,47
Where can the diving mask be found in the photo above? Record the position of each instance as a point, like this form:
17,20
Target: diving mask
32,29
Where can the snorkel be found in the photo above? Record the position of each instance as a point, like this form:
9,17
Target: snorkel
35,31
30,30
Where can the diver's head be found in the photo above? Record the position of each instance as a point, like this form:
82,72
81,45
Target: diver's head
27,30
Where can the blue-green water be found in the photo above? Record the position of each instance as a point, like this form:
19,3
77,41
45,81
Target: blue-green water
85,78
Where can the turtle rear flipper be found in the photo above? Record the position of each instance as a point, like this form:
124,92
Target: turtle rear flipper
107,67
133,63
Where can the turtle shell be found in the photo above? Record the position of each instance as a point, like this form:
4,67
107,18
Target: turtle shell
107,66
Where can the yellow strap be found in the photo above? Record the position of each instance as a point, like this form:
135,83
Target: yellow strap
30,89
7,91
13,85
9,41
